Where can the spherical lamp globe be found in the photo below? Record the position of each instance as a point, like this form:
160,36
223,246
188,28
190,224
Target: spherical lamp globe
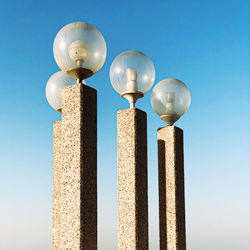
132,75
54,88
170,99
79,50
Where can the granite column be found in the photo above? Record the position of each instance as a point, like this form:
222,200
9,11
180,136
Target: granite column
171,189
78,169
132,179
56,199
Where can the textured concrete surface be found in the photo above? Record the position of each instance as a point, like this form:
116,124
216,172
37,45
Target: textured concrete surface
171,189
132,179
78,184
56,198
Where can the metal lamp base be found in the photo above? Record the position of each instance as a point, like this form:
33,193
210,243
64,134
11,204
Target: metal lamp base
80,73
170,119
132,97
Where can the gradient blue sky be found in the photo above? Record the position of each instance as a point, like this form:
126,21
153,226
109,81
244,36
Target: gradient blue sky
203,43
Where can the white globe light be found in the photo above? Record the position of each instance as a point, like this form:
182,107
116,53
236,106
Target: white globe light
132,75
170,99
54,88
79,50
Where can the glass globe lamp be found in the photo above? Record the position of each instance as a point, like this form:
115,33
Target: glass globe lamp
132,75
170,99
54,88
79,50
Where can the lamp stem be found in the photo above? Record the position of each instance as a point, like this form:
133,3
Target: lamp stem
79,63
78,80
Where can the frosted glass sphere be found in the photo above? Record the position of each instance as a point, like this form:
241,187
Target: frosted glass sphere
54,89
131,72
79,50
170,99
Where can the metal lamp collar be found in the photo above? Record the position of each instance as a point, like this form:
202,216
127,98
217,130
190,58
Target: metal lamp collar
132,97
170,119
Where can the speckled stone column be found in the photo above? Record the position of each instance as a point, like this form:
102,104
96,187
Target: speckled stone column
171,189
79,168
56,198
132,179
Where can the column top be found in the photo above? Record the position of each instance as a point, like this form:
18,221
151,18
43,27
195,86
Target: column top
171,128
130,110
79,85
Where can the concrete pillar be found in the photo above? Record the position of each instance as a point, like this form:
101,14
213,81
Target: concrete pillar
171,189
56,199
78,171
132,179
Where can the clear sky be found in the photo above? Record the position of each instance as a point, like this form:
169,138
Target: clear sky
203,43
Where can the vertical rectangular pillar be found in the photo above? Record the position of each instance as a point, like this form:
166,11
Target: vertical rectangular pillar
132,179
56,197
171,189
79,168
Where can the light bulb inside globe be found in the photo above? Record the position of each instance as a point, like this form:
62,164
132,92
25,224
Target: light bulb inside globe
170,99
79,52
132,94
131,75
171,116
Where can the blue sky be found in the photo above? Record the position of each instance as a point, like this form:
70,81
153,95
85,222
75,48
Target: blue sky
203,43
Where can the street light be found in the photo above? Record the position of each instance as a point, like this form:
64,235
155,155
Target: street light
170,99
54,88
132,75
79,50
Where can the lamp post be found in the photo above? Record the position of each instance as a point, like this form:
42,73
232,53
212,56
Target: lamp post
132,75
80,51
170,99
